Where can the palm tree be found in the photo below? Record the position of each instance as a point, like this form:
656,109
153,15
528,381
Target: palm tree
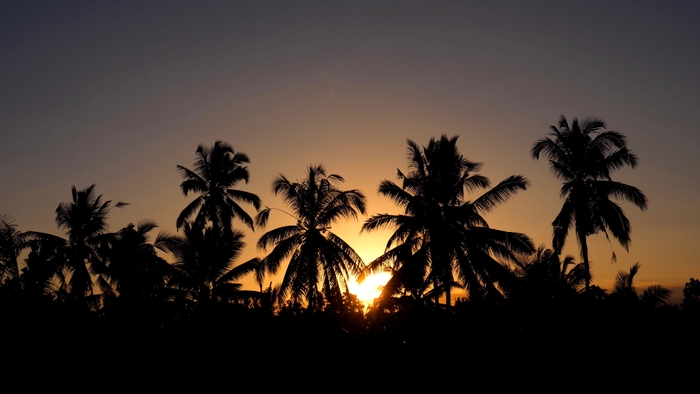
653,296
446,232
76,262
39,276
316,255
12,242
216,171
134,268
583,156
624,283
546,276
204,266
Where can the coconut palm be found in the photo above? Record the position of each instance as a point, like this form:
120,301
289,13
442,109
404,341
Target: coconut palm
204,266
583,156
653,296
545,276
624,283
12,242
76,262
447,233
316,255
217,170
40,275
134,268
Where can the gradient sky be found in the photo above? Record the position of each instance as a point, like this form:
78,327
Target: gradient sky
120,93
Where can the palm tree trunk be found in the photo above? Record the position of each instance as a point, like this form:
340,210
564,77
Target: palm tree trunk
448,293
437,293
586,265
312,292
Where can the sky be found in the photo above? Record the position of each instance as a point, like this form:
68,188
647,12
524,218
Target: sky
118,93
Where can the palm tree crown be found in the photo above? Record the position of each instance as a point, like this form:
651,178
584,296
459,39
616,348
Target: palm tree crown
76,261
85,217
204,268
216,171
12,242
134,268
583,156
318,256
440,231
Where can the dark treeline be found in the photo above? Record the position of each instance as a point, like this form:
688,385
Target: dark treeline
153,298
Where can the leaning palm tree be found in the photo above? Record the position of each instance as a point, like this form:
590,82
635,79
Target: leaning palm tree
583,156
216,171
447,233
316,255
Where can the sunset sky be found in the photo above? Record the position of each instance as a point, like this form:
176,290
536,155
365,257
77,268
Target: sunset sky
119,93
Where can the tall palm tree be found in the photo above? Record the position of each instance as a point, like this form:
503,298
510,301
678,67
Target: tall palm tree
316,255
216,170
445,231
76,260
583,156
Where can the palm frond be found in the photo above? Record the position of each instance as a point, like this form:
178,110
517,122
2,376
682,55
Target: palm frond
622,191
277,235
501,193
189,210
243,196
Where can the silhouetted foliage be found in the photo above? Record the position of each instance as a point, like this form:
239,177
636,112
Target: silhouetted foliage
583,156
624,290
216,171
12,242
691,295
624,284
135,270
544,277
97,288
316,255
440,234
78,267
655,296
204,269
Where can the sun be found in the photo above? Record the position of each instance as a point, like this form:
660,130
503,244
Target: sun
370,288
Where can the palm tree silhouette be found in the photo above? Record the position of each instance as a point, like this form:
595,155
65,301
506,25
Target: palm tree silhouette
653,296
624,283
76,261
204,266
583,156
134,268
12,242
546,276
216,171
317,254
447,233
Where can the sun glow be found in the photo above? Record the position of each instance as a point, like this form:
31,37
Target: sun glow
370,288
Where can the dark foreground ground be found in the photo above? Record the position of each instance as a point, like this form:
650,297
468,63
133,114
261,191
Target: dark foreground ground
461,350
